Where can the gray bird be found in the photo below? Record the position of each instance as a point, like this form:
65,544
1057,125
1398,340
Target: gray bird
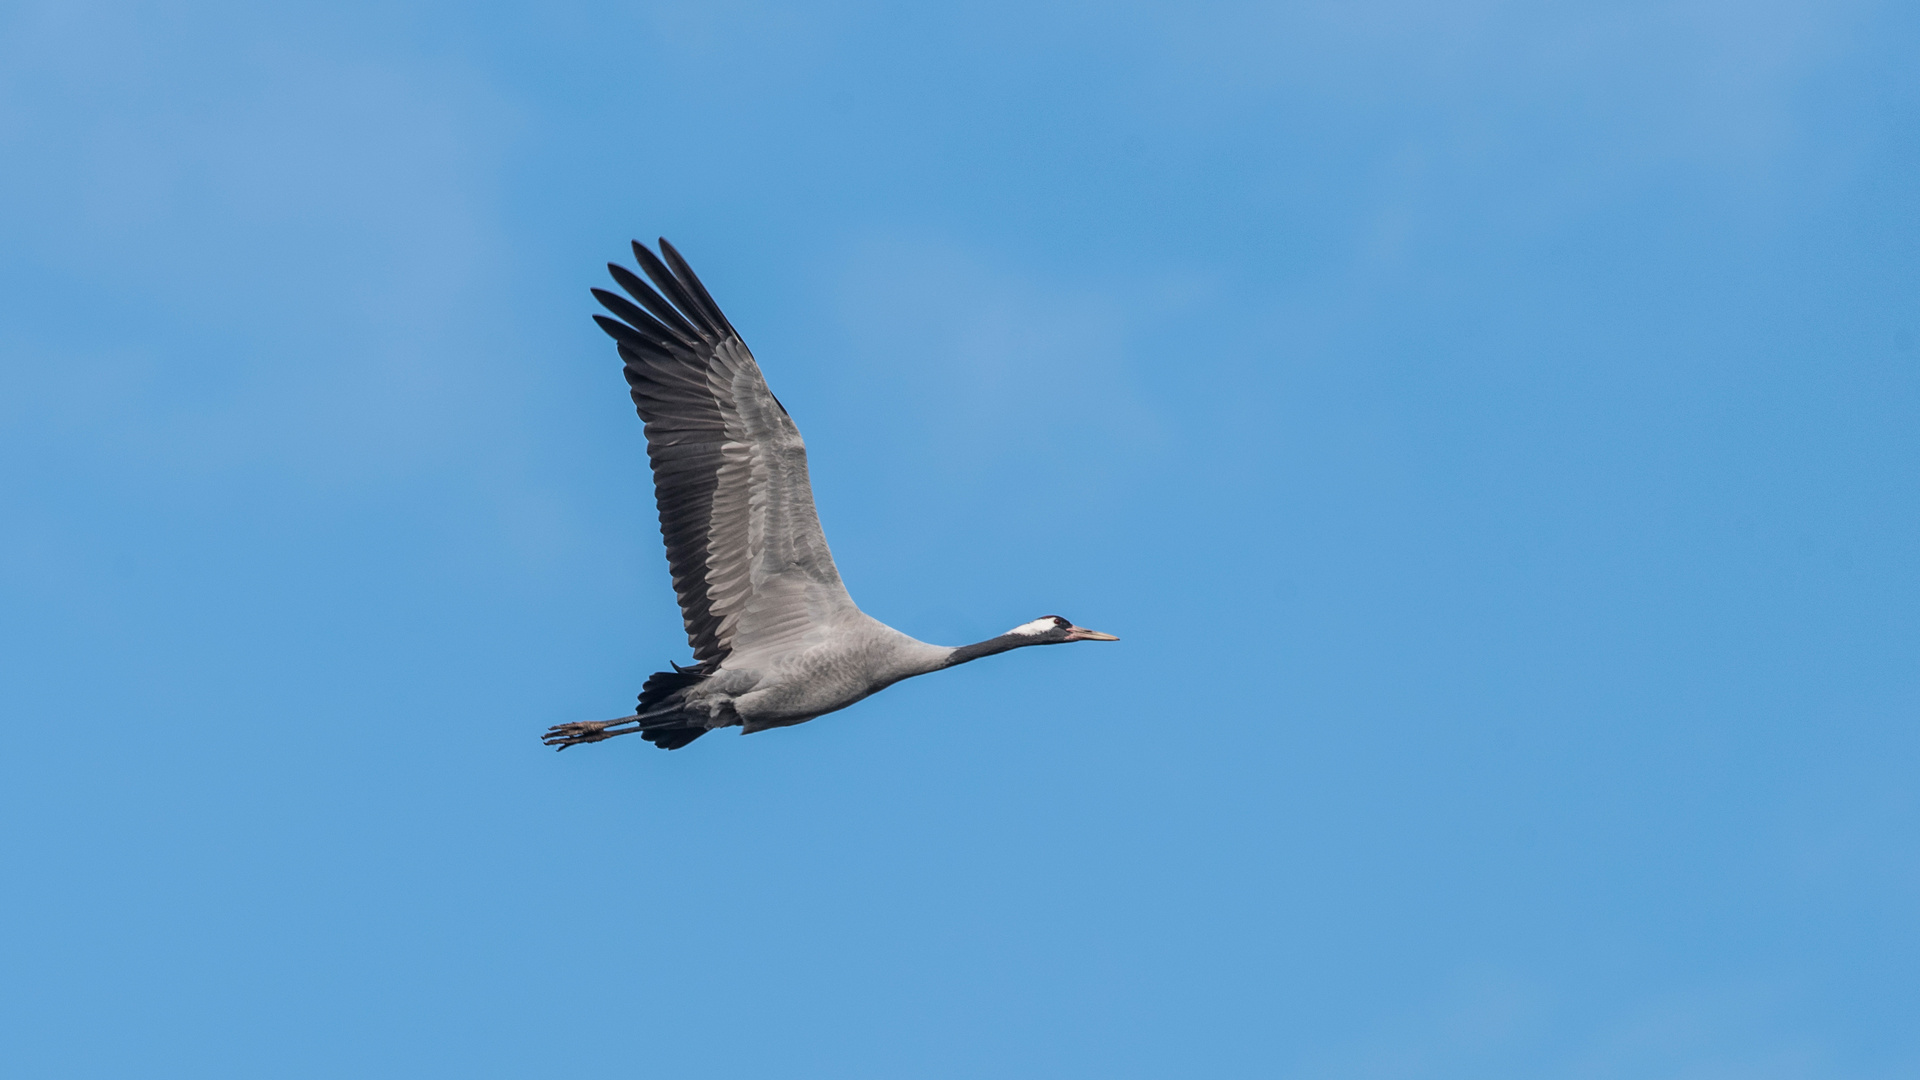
776,639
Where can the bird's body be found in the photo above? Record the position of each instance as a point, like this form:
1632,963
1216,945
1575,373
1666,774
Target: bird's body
776,639
855,657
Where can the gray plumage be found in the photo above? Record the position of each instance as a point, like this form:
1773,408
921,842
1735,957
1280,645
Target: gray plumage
776,639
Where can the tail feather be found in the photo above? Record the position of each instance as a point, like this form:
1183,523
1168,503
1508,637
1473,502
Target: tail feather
672,738
669,731
662,685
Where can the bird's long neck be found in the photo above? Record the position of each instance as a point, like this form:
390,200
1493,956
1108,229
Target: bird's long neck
987,648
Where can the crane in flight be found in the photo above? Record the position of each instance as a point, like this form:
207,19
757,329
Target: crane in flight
776,639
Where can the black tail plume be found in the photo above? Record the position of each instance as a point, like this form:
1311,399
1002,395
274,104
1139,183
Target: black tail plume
665,733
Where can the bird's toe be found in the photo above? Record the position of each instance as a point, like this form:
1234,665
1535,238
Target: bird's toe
561,736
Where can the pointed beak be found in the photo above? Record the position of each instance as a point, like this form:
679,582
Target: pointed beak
1081,633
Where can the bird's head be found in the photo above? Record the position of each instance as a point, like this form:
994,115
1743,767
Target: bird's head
1054,630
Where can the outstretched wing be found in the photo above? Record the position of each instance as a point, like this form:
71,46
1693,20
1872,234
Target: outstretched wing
749,561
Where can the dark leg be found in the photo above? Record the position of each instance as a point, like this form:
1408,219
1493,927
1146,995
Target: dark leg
561,736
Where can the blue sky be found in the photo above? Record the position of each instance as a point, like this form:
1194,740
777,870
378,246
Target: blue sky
1490,426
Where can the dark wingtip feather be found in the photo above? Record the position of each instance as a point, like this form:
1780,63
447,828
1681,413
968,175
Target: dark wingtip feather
675,290
662,310
628,336
692,281
664,339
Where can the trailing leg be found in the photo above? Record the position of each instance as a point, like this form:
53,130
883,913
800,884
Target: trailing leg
561,736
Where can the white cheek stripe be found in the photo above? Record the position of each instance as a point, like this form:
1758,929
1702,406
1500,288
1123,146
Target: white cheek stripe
1036,627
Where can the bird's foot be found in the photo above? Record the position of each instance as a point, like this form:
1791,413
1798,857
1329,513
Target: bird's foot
561,736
